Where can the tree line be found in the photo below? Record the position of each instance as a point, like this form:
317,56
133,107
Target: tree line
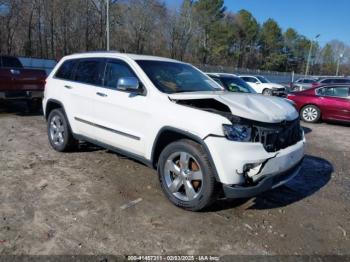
199,32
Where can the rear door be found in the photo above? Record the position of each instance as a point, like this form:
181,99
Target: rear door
87,80
335,102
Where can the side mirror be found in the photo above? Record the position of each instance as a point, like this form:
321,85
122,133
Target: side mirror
130,84
258,83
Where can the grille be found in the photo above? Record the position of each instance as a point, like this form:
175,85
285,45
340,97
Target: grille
279,136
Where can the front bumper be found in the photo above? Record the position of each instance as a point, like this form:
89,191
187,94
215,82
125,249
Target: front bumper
11,95
265,184
279,92
230,159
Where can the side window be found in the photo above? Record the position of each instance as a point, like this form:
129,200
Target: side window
90,71
252,80
249,79
326,81
334,91
66,69
341,91
8,61
217,80
341,81
320,91
114,71
328,91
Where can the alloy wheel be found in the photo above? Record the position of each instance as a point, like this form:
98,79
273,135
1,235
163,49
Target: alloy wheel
57,133
183,176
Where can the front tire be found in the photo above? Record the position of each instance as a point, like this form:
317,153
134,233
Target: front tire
186,176
59,134
310,114
267,92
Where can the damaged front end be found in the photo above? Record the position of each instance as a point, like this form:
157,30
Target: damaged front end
272,136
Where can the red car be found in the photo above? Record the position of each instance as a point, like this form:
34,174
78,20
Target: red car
331,102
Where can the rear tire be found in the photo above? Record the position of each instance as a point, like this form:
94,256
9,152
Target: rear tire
186,176
310,114
59,133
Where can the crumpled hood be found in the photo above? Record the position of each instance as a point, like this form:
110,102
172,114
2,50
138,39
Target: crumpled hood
250,106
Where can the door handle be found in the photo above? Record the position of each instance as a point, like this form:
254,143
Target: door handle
101,94
68,87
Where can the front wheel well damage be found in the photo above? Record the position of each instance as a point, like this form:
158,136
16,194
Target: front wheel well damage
164,138
169,135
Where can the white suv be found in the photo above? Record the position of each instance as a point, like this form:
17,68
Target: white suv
263,86
205,142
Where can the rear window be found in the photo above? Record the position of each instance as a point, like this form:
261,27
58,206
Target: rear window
11,62
66,70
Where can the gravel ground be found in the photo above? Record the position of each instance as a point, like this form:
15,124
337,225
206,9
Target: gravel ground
69,203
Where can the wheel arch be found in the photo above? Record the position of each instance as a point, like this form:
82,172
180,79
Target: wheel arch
52,104
309,104
167,135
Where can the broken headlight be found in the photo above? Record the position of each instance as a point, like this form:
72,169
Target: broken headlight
237,132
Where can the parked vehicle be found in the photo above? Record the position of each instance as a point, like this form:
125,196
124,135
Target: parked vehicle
17,82
331,102
302,84
263,86
203,140
331,80
231,82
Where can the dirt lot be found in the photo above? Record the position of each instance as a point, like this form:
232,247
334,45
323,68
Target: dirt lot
54,203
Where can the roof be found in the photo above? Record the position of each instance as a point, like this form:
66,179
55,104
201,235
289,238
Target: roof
120,55
220,74
248,75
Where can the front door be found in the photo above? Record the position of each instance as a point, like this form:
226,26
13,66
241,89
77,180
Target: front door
121,117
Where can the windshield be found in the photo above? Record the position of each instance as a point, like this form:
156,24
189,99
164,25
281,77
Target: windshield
263,79
235,84
172,77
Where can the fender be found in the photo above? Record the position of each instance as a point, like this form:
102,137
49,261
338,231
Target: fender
190,136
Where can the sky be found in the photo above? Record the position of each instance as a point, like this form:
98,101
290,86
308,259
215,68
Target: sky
329,18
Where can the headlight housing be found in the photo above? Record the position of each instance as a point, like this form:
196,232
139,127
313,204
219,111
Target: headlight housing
237,132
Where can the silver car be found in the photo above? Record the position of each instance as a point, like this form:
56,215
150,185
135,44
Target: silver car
303,84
